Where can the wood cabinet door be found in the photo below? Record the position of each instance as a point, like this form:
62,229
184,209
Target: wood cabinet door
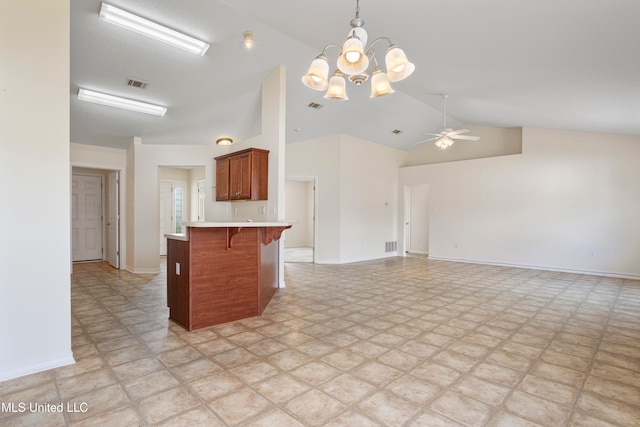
222,179
240,177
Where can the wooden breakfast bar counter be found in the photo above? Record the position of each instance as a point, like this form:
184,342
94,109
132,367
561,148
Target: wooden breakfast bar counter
218,272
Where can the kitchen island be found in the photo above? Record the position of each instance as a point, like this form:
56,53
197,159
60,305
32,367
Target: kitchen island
218,272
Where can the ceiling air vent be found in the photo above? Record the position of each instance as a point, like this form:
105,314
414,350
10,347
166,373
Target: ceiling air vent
136,83
396,131
315,106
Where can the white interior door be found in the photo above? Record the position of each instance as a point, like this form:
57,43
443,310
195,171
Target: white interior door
419,222
113,220
407,220
86,217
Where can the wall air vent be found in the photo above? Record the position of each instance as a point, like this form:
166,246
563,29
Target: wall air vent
391,246
315,106
136,83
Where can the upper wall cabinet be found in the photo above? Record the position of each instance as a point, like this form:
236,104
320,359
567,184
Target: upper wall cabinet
243,175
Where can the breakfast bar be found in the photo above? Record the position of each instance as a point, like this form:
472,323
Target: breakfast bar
218,272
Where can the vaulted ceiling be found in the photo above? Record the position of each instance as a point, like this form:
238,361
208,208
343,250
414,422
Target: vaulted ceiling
570,64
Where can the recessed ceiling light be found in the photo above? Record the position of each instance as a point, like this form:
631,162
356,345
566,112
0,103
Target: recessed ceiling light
118,102
116,16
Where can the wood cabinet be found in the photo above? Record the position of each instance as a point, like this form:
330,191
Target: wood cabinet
243,175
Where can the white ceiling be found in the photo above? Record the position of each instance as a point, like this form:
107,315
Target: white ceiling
570,64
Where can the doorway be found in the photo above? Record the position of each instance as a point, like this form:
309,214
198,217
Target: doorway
182,198
300,205
172,210
416,219
95,215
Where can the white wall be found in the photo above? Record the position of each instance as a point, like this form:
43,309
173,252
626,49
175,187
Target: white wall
419,224
35,303
570,201
320,159
357,195
299,213
272,138
143,244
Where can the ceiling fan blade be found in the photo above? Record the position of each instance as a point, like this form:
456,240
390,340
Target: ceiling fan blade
426,140
457,132
467,137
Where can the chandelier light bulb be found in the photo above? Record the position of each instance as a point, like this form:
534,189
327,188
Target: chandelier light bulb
318,75
353,60
398,66
380,85
337,87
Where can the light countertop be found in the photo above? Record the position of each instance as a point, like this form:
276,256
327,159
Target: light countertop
222,224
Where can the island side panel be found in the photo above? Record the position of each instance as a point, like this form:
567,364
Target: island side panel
178,284
224,283
268,272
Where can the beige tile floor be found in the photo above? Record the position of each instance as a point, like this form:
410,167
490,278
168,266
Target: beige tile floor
394,342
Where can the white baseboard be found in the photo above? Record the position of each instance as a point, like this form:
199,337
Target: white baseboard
21,371
143,270
540,267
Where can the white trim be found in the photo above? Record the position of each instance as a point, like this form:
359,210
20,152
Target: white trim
544,268
29,369
143,270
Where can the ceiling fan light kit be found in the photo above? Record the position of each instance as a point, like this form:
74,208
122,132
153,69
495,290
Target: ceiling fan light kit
354,61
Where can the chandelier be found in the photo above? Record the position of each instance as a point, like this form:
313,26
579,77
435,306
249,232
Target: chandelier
353,62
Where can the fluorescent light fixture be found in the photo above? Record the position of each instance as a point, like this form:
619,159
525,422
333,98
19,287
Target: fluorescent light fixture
116,101
114,15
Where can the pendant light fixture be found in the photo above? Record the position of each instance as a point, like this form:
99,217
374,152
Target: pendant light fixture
354,60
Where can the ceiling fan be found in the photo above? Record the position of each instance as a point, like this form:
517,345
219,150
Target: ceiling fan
445,138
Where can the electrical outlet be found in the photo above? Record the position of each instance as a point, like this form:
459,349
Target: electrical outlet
592,254
457,245
177,268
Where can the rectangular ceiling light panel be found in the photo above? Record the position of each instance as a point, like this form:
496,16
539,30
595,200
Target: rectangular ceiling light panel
116,101
114,15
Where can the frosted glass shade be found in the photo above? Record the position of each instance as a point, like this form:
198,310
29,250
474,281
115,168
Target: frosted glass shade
337,87
398,67
318,74
380,85
352,60
444,142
